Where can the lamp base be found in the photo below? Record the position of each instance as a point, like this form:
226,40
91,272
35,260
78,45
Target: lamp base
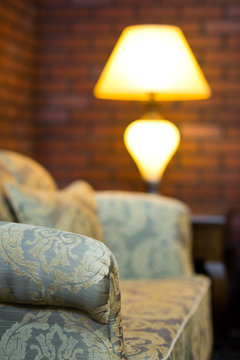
152,187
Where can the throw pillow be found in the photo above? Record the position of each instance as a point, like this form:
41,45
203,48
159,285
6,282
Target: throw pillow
72,209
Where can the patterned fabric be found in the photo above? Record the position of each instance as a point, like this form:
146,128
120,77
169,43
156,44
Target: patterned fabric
26,171
148,234
167,319
59,291
72,209
69,272
19,168
52,334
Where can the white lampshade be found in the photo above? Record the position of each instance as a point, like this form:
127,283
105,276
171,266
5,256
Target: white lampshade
152,59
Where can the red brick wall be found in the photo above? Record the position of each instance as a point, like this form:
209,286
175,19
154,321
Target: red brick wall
18,50
81,137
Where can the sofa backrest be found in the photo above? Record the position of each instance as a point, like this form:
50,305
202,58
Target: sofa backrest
23,170
150,235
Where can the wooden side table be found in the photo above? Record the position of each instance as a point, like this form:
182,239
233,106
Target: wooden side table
209,258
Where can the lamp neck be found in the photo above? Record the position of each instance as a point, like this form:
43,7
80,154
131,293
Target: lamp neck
152,187
151,109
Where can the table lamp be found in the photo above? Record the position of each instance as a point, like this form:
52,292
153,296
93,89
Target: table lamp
152,63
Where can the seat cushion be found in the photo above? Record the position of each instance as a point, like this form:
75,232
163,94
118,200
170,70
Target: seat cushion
72,209
167,318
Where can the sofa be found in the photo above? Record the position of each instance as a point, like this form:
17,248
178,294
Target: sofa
96,275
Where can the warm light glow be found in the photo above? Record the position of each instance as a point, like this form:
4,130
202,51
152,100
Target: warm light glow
152,59
152,63
151,143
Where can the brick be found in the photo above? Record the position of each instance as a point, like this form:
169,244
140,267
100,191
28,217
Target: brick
178,116
65,42
27,8
222,178
232,162
19,34
53,56
113,13
66,100
234,10
91,56
223,27
92,28
53,86
212,72
204,43
188,177
188,147
83,86
219,57
68,71
204,162
202,11
234,42
14,66
91,2
157,11
90,116
56,13
222,148
202,191
226,86
52,116
233,73
105,42
233,194
79,136
199,131
189,27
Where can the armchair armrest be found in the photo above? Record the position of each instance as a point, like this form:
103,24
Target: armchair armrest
60,283
45,266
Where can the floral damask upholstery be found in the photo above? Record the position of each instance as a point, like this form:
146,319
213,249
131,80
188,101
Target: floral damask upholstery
149,234
18,168
59,291
167,319
72,209
59,296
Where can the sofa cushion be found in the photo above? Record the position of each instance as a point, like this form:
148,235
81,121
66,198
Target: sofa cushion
21,169
71,209
167,319
26,171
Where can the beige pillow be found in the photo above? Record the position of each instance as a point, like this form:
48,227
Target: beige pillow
72,209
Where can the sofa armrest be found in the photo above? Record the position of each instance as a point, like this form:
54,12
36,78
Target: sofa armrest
45,266
150,235
59,293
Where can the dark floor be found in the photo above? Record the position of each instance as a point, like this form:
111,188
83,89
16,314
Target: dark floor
227,347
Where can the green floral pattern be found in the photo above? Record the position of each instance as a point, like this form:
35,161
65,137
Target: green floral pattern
17,168
53,334
167,319
59,291
72,209
149,234
48,267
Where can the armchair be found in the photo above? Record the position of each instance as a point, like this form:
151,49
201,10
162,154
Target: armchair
59,290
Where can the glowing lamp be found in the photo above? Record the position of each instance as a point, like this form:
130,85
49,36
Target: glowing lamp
151,143
152,63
